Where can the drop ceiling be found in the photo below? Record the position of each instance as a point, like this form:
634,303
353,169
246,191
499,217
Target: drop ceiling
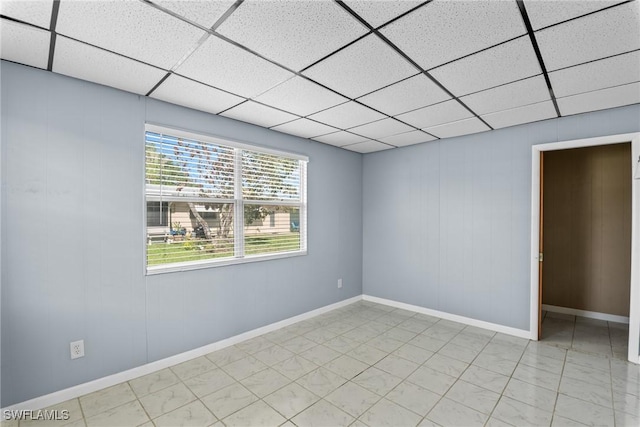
364,75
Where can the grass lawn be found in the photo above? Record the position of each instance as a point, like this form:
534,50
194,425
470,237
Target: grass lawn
196,249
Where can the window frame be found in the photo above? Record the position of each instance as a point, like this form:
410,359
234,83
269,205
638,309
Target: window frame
238,202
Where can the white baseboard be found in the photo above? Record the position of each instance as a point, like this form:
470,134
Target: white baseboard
111,380
585,313
453,317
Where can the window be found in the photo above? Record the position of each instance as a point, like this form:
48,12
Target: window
216,202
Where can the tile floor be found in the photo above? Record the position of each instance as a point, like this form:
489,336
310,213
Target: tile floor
372,365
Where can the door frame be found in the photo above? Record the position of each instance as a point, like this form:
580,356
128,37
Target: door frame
634,299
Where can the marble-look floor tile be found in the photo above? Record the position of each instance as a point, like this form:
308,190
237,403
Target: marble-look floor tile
474,397
272,355
626,420
258,414
537,377
520,414
446,365
541,349
342,344
530,394
385,344
295,367
320,354
321,381
191,415
387,413
431,380
228,400
584,412
588,360
209,382
397,366
193,368
367,354
415,354
291,400
298,344
503,350
584,373
627,403
265,382
484,378
427,342
108,398
346,366
153,382
559,421
598,394
377,381
414,325
449,413
129,414
494,422
72,408
226,355
399,334
244,368
458,352
352,399
413,397
254,345
495,364
542,362
166,400
322,414
471,340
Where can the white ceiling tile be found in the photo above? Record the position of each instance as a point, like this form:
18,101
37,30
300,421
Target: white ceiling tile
301,96
381,128
415,92
24,44
526,114
294,34
182,91
600,99
205,13
340,138
347,115
502,64
86,62
378,12
543,13
131,28
462,127
443,31
363,67
407,138
596,36
34,11
448,111
522,92
305,128
223,65
596,75
258,114
367,147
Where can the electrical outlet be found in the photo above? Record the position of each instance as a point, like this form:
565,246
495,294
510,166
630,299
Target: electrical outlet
339,283
77,349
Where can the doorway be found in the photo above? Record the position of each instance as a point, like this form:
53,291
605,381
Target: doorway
537,240
586,242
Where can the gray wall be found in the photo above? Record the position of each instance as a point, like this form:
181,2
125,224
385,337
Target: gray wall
72,153
447,223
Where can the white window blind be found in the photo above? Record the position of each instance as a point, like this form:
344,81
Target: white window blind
212,202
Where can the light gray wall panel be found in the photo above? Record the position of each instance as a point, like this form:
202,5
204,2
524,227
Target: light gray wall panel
73,238
472,234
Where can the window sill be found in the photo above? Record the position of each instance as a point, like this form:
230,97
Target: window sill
198,265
